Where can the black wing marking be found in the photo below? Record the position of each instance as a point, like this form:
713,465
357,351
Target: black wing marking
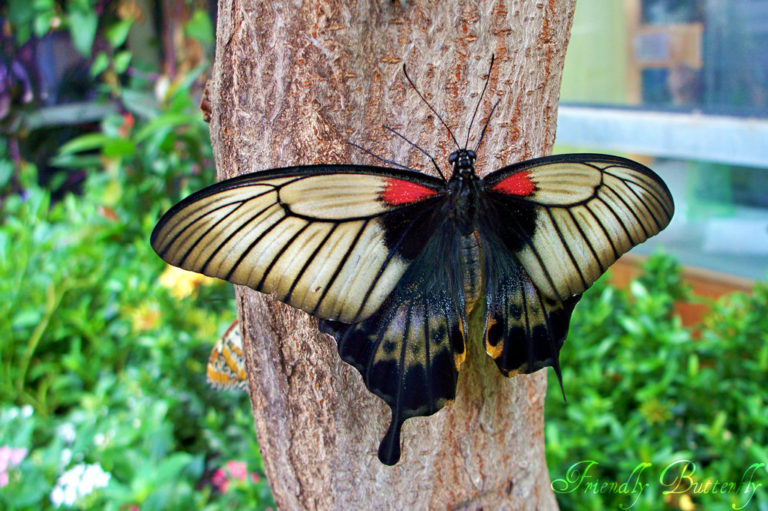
331,240
409,352
525,329
568,217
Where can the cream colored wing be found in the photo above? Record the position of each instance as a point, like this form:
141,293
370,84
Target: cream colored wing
330,240
566,218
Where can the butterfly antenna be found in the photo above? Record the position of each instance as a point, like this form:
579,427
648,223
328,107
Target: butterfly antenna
371,153
439,171
482,134
480,100
405,72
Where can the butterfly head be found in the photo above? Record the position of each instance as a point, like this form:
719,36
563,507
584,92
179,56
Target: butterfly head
463,162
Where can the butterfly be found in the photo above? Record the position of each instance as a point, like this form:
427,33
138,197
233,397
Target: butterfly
226,363
404,268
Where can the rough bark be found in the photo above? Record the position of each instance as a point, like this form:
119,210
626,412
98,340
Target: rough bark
292,83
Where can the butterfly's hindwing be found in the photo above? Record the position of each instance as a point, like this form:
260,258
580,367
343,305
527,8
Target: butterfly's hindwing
226,364
525,329
331,240
567,218
409,352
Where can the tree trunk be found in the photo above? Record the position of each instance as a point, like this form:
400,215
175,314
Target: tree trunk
293,83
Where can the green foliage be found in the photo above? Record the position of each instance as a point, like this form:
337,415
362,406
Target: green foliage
89,339
102,353
642,390
107,364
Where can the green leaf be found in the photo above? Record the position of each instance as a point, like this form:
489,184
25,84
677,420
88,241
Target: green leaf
100,64
166,121
119,147
82,29
84,143
76,162
117,34
42,24
122,60
170,467
143,104
6,171
199,27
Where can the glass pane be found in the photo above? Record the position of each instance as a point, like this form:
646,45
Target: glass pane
711,56
681,85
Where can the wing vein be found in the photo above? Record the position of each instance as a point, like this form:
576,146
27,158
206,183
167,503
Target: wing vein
309,260
204,234
586,239
602,227
253,244
567,247
390,254
279,253
617,217
339,267
527,239
427,360
631,211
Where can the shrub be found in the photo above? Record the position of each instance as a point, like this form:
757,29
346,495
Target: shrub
641,390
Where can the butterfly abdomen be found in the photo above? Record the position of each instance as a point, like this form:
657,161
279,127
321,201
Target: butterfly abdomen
472,271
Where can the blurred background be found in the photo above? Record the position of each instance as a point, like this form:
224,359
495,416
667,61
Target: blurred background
683,84
103,348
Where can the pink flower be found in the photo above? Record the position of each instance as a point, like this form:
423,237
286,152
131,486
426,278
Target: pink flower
232,471
220,481
10,457
237,470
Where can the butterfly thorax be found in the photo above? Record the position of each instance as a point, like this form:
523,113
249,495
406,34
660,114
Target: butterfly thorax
463,162
463,190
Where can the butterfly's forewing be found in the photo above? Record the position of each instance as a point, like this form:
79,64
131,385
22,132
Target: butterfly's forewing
549,228
410,350
330,240
226,364
567,218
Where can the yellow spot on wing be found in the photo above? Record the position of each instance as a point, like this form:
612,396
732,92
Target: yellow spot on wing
458,358
494,351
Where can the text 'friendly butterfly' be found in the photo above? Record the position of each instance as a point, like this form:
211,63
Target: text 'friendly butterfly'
404,268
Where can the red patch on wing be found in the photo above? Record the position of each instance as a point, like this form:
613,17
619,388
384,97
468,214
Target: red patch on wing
516,184
399,191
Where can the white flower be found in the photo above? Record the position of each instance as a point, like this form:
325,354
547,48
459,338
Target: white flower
26,411
66,432
94,477
58,498
66,457
78,482
99,439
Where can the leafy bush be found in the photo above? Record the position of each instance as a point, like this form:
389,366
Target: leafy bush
108,363
103,349
641,390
